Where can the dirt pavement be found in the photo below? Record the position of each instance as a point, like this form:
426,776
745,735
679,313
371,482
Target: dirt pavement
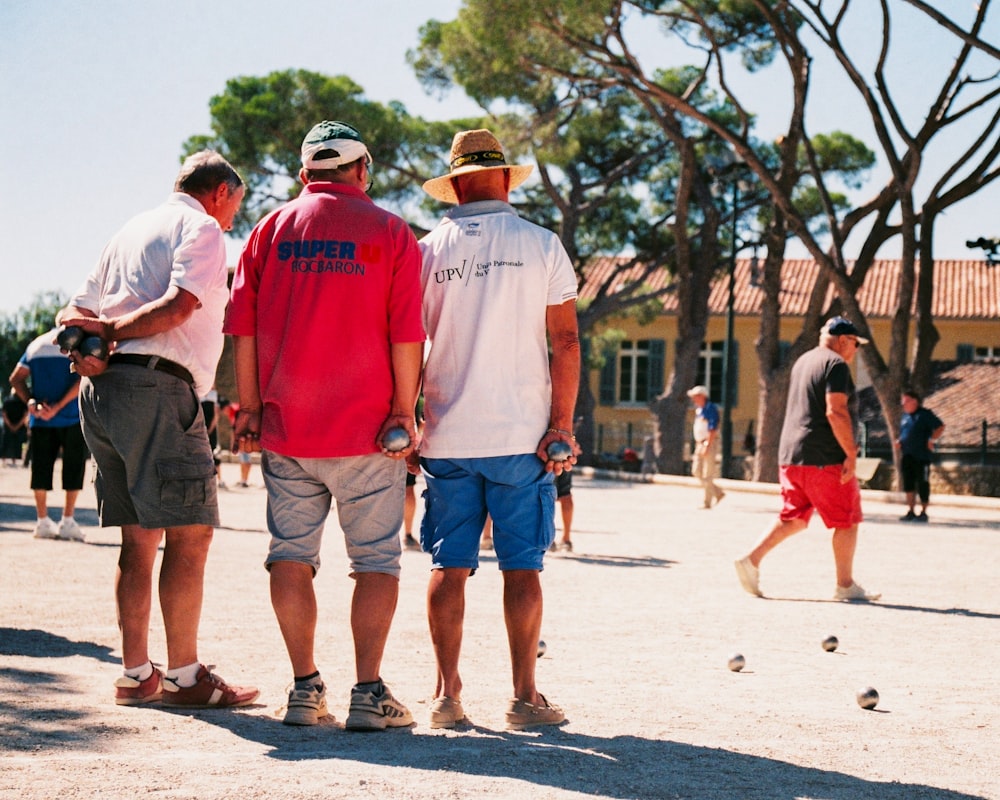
639,623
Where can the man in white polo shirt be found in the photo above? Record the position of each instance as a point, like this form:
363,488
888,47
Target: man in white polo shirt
157,296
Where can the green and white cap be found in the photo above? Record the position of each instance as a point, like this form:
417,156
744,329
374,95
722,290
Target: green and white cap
330,144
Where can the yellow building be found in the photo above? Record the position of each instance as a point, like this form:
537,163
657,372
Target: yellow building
966,309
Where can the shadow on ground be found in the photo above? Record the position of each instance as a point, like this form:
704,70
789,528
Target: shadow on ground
15,514
42,644
616,767
54,728
935,522
613,767
958,612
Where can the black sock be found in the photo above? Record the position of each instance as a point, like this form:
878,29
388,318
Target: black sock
375,687
307,678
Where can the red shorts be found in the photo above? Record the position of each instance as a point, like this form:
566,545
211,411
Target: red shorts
804,489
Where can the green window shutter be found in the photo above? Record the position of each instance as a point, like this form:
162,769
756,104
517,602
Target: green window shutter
784,348
609,372
965,354
657,356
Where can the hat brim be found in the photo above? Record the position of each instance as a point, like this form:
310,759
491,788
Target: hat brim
440,188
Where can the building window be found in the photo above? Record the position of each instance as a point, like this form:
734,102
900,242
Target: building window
967,353
633,371
710,367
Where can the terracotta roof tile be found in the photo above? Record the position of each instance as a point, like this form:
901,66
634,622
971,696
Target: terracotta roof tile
966,289
962,395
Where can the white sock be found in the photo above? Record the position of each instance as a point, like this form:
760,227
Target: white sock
67,519
184,677
141,672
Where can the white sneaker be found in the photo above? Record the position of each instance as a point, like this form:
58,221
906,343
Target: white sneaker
855,592
68,529
46,529
306,706
749,576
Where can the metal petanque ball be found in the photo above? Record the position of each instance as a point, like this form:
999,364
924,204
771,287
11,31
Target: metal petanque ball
94,346
830,643
541,648
737,662
559,450
396,439
867,698
70,338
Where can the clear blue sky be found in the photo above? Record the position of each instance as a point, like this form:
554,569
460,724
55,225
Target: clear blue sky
98,97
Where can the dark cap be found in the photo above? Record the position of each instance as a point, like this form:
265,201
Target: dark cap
839,326
331,144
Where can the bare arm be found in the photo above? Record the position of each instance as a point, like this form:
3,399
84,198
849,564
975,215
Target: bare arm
564,369
839,417
49,410
935,435
19,382
246,428
163,314
407,363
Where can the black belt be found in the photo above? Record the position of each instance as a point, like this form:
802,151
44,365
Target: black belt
153,362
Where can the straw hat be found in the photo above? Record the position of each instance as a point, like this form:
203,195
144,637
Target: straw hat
472,151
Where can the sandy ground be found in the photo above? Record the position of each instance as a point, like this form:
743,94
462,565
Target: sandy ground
639,623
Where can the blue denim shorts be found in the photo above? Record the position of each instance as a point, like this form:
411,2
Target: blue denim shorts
517,493
369,492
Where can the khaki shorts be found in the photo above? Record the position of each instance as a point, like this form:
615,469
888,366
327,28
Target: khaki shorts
369,492
147,433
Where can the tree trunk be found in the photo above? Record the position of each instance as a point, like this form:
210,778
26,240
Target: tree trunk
584,427
670,408
927,335
770,416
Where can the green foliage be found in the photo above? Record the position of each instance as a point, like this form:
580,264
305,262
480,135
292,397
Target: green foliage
840,154
489,48
736,25
603,345
258,123
17,330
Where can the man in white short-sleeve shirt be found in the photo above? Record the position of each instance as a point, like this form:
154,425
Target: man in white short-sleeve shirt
157,297
498,291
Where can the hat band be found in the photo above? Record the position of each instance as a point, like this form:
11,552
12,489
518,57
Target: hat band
473,158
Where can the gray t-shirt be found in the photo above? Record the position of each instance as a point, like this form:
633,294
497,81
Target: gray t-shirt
806,436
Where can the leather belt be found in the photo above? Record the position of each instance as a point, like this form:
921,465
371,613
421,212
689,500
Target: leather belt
153,362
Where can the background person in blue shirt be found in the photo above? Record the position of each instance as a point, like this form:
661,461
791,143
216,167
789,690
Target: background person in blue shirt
919,429
705,458
55,426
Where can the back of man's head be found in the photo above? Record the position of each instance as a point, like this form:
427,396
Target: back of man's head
472,187
345,173
332,151
203,172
